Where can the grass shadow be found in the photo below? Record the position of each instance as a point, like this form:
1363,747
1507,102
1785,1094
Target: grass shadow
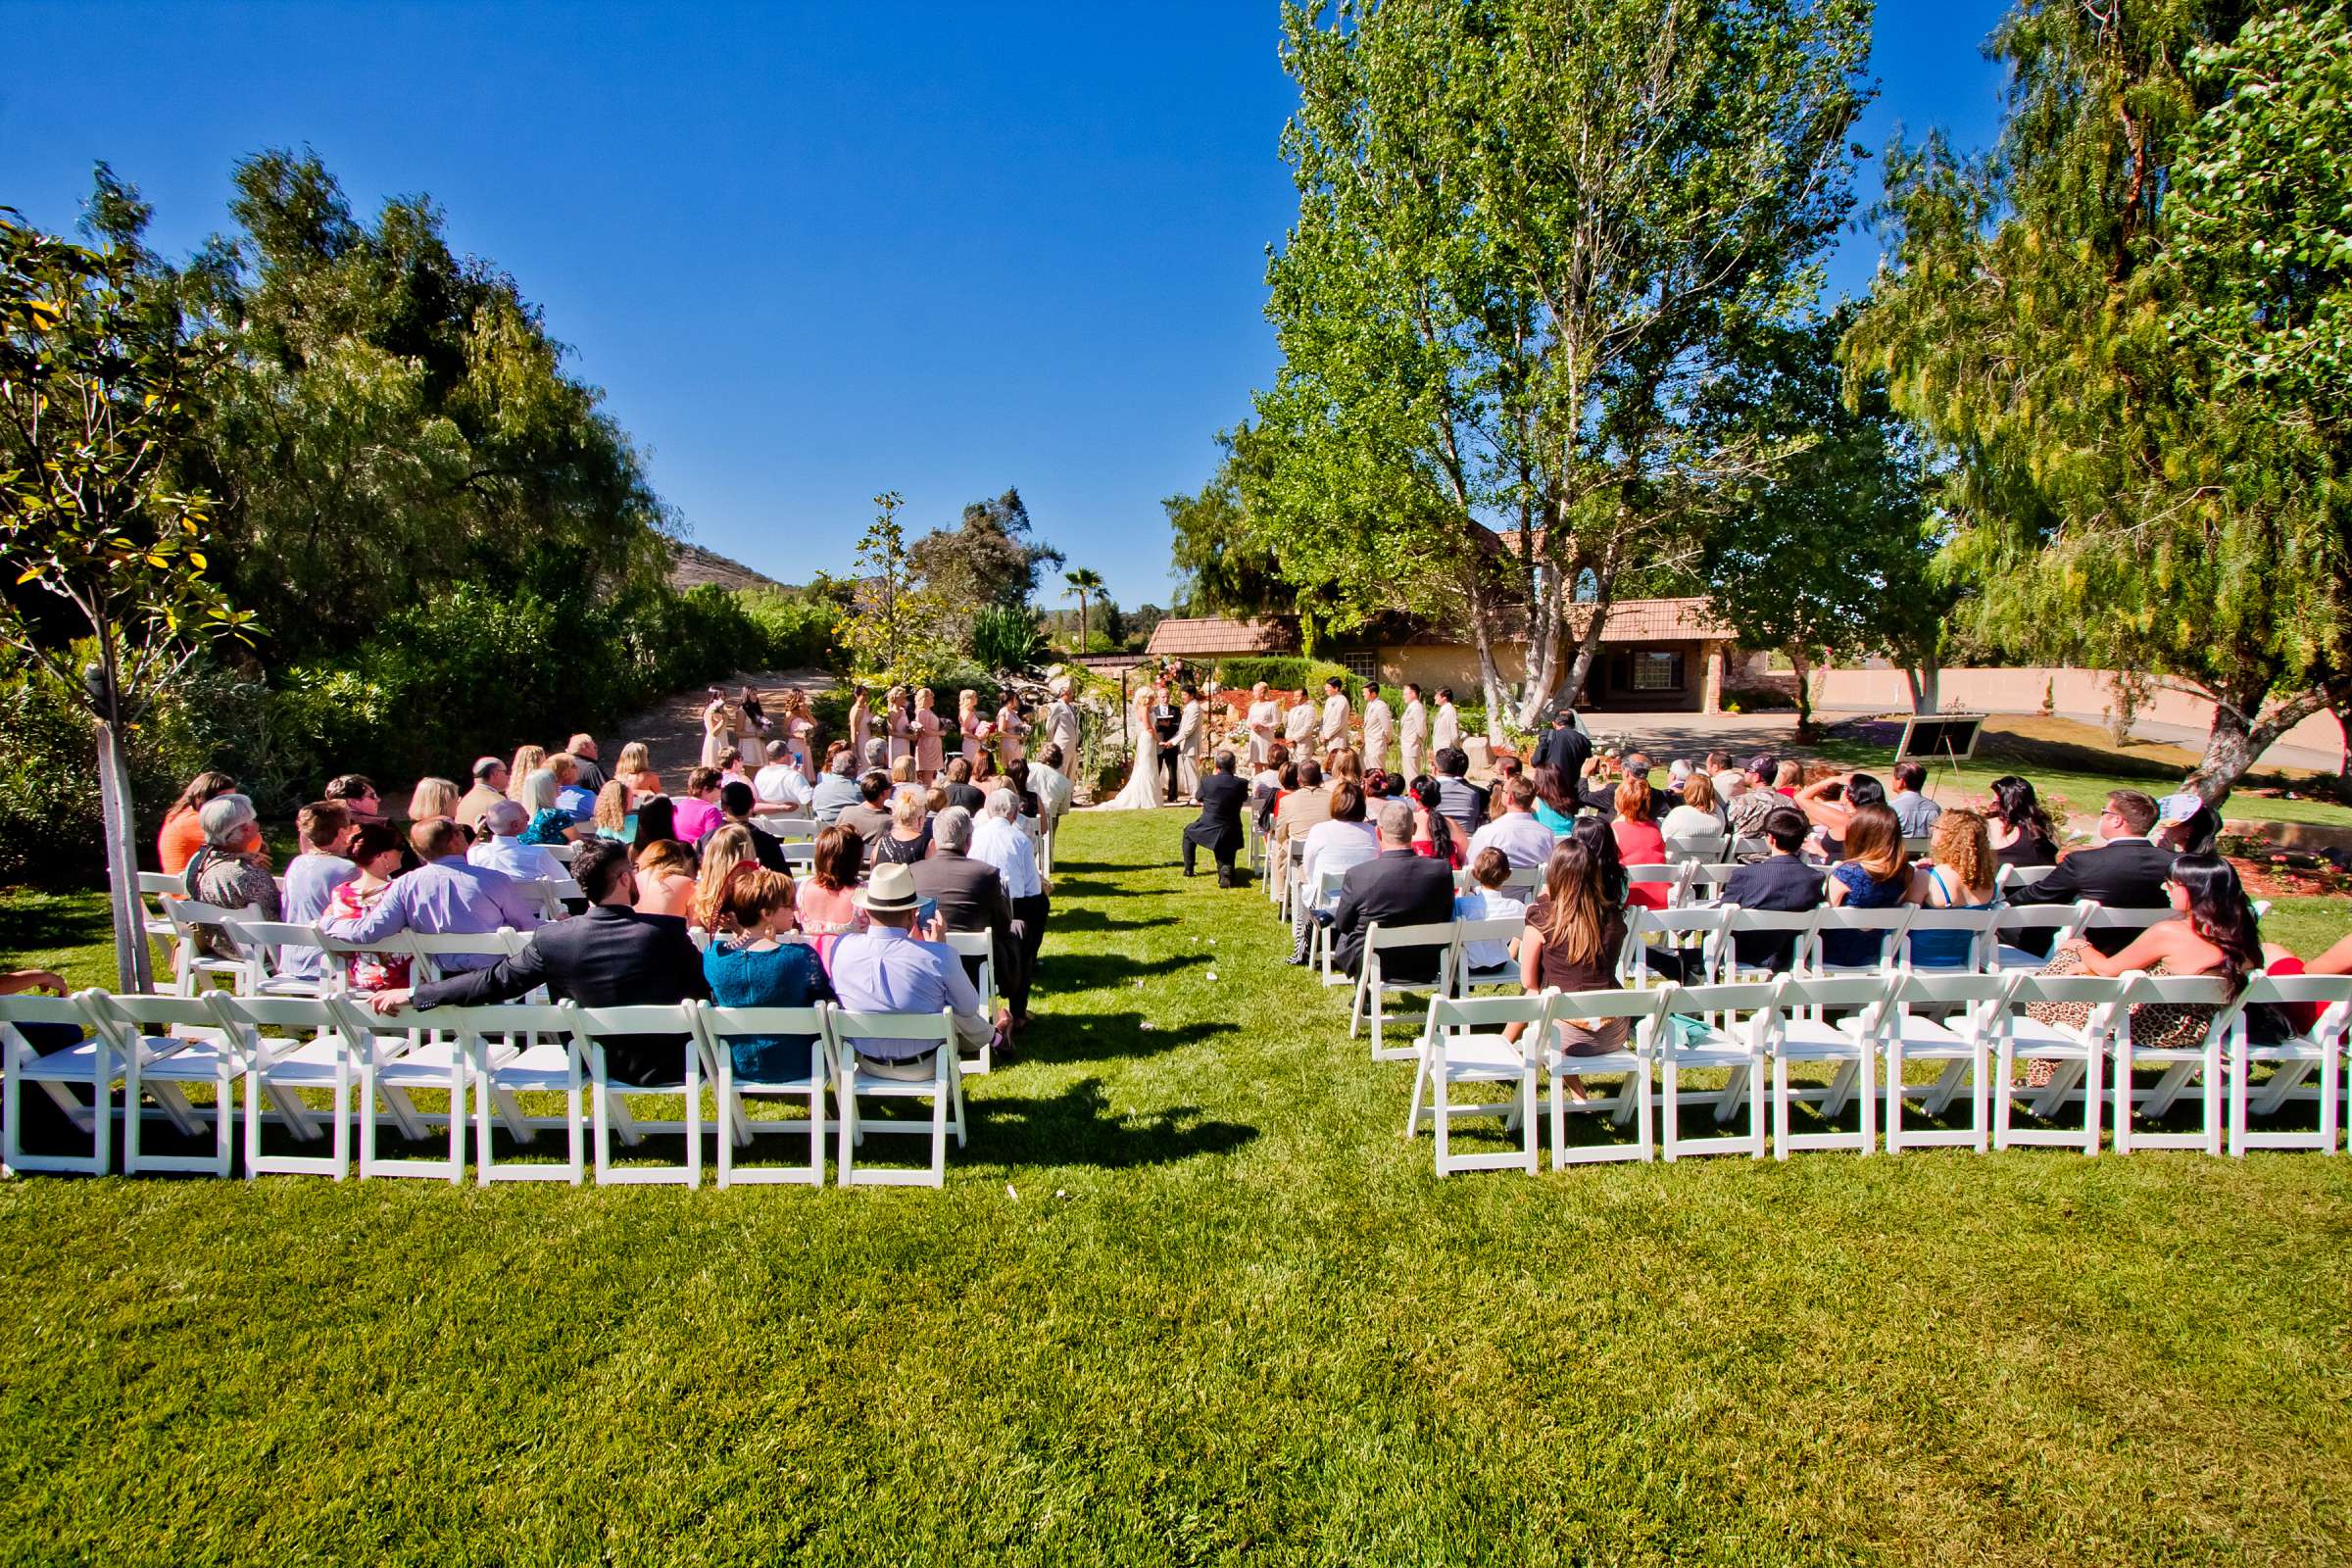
1079,1127
42,922
1101,1036
1068,972
1096,920
1080,888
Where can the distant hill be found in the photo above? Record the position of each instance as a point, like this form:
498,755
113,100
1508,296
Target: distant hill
691,565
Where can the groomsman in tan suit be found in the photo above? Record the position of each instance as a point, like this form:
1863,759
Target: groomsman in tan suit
1380,727
1448,731
1299,727
1335,718
1414,730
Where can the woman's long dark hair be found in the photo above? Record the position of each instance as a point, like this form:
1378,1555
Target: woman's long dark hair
2015,803
1551,789
1599,840
2219,913
657,819
206,787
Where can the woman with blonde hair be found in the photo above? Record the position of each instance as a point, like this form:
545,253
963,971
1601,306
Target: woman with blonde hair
899,726
862,730
528,760
635,768
433,798
726,849
550,823
1700,816
1011,728
718,727
613,819
968,725
665,878
1959,873
1346,762
910,836
799,730
929,754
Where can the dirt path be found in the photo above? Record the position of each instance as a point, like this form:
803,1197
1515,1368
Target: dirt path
672,729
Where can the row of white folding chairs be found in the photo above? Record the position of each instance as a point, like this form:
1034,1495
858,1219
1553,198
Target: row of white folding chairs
1976,1027
157,1048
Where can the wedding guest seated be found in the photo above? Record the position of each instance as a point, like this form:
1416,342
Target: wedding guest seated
1436,835
378,853
1486,899
1218,829
1912,808
887,968
2185,824
443,896
1269,801
870,818
755,967
970,896
44,1038
826,903
1698,819
1788,778
729,762
324,830
1522,841
183,834
1344,841
1831,802
1873,875
501,847
695,814
550,822
1396,888
909,838
1575,933
581,749
2125,871
614,819
1301,810
1785,882
779,787
722,852
961,789
1639,841
654,821
1054,791
1461,802
999,842
1556,807
736,803
434,797
635,768
232,872
666,872
2021,831
611,956
1958,874
835,788
489,787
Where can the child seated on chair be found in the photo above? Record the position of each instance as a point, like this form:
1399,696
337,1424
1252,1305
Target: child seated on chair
1486,901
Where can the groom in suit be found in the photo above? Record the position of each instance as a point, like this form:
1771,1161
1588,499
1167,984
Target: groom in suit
1164,719
1218,829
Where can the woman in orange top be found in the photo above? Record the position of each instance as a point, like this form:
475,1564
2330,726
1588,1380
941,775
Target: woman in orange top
183,834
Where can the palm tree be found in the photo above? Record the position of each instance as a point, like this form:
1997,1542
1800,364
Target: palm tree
1083,582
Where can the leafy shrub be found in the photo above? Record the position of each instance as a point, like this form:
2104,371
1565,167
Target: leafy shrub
1758,700
798,633
1005,637
1286,672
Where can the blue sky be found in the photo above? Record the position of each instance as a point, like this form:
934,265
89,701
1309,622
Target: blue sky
813,252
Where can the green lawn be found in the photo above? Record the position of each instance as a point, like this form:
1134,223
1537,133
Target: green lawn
1188,1298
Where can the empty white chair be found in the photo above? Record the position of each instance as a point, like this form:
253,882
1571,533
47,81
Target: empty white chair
1951,1019
562,851
1376,981
1695,935
156,890
2012,877
717,1029
399,1059
1466,1042
2023,935
1803,1035
515,1049
1724,1028
191,966
2293,1061
1326,893
608,1100
167,1046
90,1065
306,1051
2078,1054
980,945
1645,1013
853,1081
432,950
2195,1064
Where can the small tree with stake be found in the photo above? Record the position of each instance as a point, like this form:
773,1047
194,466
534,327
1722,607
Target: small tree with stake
96,376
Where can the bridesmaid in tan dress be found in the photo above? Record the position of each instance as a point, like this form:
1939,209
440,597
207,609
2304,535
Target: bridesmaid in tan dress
1011,728
862,727
928,754
901,728
967,725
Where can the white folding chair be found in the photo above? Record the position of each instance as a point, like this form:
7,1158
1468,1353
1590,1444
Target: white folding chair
562,851
90,1064
1373,985
1803,1035
276,952
2012,877
2023,935
166,1046
1704,884
2178,1064
1916,846
1646,1012
799,856
400,1058
2104,918
1889,924
1318,935
305,1051
2077,1057
1795,926
2293,1061
156,891
1500,928
1722,1028
191,966
717,1029
1700,848
515,1049
1976,924
1951,1018
1673,878
608,1100
432,950
547,896
855,1081
1463,1042
1699,932
980,945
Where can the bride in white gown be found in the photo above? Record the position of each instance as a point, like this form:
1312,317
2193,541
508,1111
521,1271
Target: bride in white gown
1144,787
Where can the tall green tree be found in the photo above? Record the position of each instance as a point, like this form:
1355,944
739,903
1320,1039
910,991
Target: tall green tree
100,549
2081,323
896,630
992,555
1525,230
1084,583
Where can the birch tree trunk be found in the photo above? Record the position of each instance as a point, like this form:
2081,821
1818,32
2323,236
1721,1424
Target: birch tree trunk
133,965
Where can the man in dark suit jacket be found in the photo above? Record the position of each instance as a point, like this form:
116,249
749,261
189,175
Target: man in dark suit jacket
1784,882
1396,888
972,898
1218,827
2125,872
611,956
1565,748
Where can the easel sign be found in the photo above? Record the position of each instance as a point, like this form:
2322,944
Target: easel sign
1946,738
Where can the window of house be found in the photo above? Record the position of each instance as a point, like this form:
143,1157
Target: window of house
1364,665
1656,671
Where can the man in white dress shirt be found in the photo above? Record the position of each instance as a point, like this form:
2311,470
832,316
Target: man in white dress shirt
779,786
1335,718
1188,747
1522,841
1380,727
1446,731
1299,726
1266,723
1414,730
1061,721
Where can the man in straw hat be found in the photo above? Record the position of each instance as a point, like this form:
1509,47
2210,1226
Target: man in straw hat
888,968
